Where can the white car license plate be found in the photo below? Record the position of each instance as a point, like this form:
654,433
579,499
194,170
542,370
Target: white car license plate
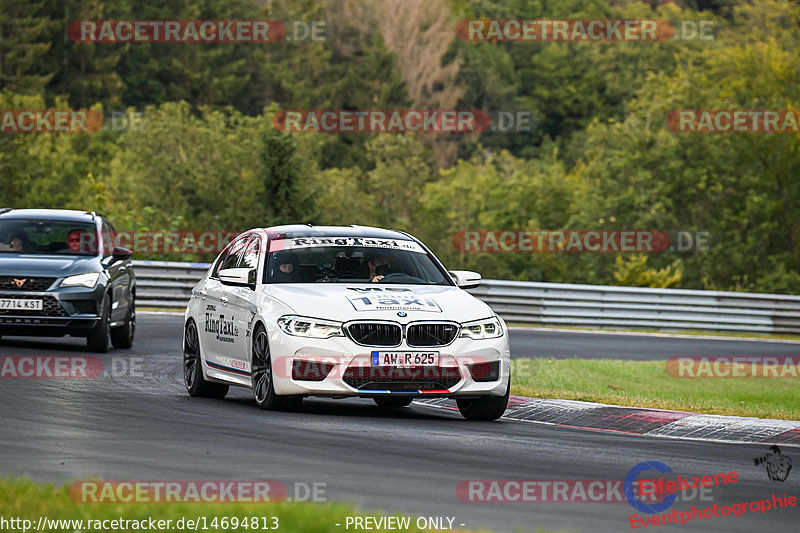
16,303
405,359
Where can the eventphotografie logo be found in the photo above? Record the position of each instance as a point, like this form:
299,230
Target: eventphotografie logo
777,465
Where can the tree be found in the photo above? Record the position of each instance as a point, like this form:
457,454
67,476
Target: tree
24,32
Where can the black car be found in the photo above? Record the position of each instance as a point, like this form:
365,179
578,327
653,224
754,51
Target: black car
60,274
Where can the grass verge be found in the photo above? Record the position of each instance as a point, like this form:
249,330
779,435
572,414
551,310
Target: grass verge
695,332
24,499
647,384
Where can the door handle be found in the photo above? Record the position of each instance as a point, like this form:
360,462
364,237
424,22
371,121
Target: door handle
202,295
224,300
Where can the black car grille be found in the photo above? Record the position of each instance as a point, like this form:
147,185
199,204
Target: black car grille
30,321
375,334
431,334
402,379
25,283
50,307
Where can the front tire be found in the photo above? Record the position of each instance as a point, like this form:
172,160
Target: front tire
262,378
122,336
389,402
486,408
193,378
97,340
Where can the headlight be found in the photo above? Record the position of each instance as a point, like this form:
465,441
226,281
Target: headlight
488,328
301,326
83,280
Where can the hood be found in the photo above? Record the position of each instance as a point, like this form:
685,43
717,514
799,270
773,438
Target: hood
57,266
344,302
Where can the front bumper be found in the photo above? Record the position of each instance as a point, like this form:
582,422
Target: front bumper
350,371
67,311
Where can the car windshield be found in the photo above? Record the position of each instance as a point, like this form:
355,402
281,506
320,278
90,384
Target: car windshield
352,264
62,237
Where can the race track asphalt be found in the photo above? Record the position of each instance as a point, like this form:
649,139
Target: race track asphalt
138,423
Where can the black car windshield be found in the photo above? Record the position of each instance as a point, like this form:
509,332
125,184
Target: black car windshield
352,264
61,237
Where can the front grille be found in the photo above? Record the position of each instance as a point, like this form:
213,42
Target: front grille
50,307
25,283
402,379
375,334
31,321
431,334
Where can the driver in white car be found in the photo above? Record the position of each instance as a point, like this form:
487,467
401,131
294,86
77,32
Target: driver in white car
380,266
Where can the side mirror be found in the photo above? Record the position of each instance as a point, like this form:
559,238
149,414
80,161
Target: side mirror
120,254
241,277
466,279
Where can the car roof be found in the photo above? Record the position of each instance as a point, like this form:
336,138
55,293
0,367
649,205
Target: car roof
50,214
294,231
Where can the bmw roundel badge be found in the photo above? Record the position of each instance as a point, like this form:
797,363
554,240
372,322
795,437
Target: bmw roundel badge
402,314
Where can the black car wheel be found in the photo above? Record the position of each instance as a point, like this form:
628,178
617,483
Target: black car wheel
122,336
97,340
193,378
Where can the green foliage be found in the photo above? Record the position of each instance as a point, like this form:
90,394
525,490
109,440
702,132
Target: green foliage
633,272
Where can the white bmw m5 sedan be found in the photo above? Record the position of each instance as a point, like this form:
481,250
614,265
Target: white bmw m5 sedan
296,311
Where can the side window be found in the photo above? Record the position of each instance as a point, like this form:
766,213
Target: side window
109,238
250,258
232,256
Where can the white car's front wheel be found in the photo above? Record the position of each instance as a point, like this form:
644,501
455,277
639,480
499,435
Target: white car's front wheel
261,377
486,408
383,401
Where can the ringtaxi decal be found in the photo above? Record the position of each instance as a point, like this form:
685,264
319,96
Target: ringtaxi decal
318,242
391,300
